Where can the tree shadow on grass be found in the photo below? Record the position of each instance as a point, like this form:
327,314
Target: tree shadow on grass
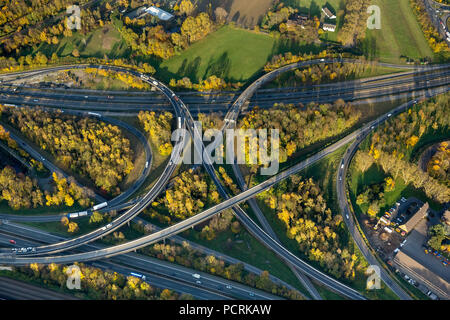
219,67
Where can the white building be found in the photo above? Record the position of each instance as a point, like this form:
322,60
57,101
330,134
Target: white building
329,27
161,14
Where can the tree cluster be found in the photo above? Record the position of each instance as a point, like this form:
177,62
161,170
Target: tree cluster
302,126
98,284
19,190
22,192
439,165
158,127
401,134
275,18
209,84
86,146
437,235
186,256
281,60
188,195
434,39
355,22
42,33
300,206
411,174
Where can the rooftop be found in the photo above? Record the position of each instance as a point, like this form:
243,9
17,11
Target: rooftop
416,218
328,13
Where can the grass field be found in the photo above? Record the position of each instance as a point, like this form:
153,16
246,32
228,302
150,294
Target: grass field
225,54
400,34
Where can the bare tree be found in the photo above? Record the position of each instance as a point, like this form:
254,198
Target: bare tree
220,14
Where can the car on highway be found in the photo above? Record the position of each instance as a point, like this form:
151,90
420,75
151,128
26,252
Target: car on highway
390,114
251,294
346,215
229,287
196,276
109,225
198,282
12,241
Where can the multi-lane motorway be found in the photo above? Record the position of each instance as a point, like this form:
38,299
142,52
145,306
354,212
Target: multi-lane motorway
231,202
159,273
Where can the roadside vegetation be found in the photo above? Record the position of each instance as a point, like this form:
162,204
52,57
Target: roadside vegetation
96,284
158,126
439,165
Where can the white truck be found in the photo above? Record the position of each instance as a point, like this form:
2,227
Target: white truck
99,206
94,114
73,215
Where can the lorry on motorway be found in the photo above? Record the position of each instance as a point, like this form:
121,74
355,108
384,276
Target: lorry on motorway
99,206
137,275
146,165
73,215
82,213
94,114
179,122
196,276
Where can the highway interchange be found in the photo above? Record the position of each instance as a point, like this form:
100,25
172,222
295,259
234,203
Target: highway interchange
230,202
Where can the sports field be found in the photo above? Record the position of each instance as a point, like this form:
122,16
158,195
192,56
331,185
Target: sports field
400,34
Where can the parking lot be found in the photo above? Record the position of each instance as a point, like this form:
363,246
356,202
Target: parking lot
414,248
